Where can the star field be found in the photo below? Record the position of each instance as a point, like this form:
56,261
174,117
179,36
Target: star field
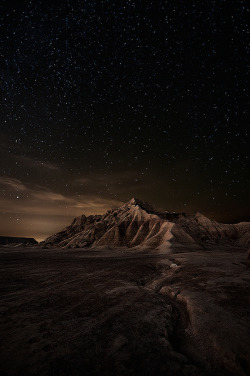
105,100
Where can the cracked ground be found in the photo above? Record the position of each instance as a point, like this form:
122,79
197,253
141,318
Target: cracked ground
103,312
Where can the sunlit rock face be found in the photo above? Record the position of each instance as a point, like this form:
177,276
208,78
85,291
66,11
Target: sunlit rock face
137,225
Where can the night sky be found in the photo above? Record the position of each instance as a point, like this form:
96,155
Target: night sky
102,101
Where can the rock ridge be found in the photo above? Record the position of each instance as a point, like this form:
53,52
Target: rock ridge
136,224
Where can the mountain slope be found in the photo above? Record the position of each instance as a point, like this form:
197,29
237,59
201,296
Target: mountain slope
137,224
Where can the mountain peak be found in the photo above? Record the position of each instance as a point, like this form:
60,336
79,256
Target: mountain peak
134,201
142,204
137,224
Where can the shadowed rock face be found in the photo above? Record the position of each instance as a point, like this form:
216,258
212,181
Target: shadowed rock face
137,224
6,240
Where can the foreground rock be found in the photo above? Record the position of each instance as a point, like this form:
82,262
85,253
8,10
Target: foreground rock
137,225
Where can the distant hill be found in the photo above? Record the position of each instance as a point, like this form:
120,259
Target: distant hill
5,240
137,224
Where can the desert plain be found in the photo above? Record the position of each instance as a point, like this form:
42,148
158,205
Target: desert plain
124,312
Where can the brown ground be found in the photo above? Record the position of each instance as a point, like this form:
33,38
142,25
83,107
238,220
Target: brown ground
101,312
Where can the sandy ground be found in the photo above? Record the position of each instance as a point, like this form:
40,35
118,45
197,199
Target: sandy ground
103,312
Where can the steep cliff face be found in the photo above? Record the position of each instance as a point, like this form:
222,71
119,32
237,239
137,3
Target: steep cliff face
137,224
243,230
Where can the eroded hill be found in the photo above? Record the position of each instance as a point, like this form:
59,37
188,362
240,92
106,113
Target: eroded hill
137,224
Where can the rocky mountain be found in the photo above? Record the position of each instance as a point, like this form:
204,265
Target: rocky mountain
137,225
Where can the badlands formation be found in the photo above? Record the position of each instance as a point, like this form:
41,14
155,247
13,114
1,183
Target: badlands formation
132,292
137,225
